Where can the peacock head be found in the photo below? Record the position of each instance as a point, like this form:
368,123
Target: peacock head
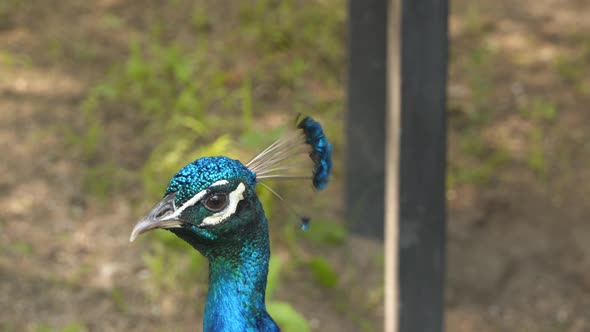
212,200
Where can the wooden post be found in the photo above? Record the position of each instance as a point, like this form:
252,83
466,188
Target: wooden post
397,137
365,158
422,212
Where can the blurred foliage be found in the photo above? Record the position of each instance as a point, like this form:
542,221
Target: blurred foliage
541,110
282,312
10,60
541,113
7,7
314,33
326,232
573,67
287,317
72,327
157,87
323,272
479,160
186,100
23,248
119,300
172,262
481,153
274,275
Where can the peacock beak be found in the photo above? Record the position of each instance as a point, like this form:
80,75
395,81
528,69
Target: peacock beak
161,216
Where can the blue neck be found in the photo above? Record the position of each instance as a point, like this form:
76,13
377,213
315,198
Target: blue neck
238,268
236,291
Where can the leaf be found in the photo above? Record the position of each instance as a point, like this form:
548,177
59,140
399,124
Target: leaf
326,232
323,272
118,300
266,198
288,319
73,327
197,126
170,241
221,146
258,139
274,275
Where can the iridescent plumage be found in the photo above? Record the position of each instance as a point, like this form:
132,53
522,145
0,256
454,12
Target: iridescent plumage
276,161
211,204
321,152
203,172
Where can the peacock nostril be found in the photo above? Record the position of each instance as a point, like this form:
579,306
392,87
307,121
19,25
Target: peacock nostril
164,211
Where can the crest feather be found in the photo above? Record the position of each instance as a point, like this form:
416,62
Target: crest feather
281,159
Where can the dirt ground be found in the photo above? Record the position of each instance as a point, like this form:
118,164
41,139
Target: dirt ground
519,243
519,254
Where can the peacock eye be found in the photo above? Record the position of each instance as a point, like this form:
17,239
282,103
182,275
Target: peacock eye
216,202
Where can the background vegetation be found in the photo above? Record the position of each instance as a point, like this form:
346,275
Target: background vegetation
103,101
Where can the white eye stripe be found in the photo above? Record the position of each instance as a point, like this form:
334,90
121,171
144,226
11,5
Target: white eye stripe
198,196
234,198
219,183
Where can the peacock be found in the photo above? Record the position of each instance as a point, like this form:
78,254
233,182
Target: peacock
211,204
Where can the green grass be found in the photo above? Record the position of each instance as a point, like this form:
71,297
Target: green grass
23,248
480,172
480,77
119,300
542,114
536,159
11,60
71,327
481,161
477,162
540,111
572,67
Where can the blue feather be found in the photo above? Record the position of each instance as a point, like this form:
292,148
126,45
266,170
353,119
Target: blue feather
321,152
279,160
